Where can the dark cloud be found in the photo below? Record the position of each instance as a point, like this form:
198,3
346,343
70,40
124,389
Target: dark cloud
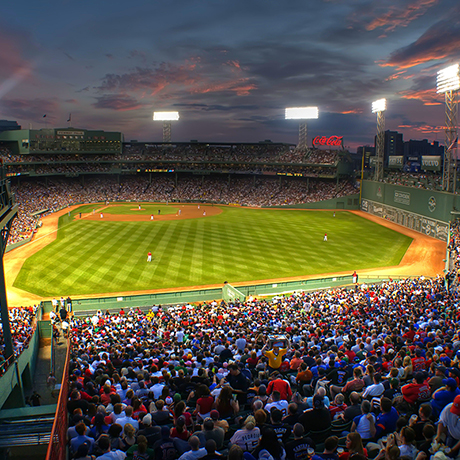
232,67
118,102
30,109
441,41
219,108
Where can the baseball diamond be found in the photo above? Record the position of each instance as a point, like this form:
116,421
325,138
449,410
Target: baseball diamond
92,255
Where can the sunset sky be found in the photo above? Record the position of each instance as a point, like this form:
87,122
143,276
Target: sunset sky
229,67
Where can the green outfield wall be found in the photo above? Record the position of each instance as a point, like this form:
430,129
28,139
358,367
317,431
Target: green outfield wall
426,211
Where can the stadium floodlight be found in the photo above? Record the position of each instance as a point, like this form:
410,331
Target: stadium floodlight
448,79
448,83
379,106
166,118
301,113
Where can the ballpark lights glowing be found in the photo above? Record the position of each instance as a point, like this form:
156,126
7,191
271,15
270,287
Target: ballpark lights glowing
379,106
166,116
448,79
301,113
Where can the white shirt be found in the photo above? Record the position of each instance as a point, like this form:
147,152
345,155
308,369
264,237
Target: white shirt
450,421
193,454
282,405
113,455
247,440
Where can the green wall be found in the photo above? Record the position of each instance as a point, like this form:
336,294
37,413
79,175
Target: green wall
10,393
428,203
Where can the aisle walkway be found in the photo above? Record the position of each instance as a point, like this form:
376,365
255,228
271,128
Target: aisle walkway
43,368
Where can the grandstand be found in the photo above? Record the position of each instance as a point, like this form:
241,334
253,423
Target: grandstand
146,360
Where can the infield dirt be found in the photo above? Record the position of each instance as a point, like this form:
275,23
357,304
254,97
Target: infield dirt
424,256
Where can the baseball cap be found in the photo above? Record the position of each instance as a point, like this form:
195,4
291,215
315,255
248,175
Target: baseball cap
450,382
455,408
214,414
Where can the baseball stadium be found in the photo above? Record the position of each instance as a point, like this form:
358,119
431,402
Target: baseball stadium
142,281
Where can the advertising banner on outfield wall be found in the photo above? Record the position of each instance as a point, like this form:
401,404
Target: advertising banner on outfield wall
430,227
428,203
431,163
395,161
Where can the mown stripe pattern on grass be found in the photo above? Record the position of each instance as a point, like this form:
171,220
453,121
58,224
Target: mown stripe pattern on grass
90,257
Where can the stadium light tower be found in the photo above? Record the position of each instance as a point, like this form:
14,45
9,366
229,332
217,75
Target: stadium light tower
448,82
379,108
166,118
303,114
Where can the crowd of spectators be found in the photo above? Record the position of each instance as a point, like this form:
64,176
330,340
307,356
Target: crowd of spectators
454,253
426,180
22,326
209,156
38,196
349,373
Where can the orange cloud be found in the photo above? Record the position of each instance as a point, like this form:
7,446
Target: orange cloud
190,76
423,129
234,64
241,87
427,96
351,111
439,42
401,17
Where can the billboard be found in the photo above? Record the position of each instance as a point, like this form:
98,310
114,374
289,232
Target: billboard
431,227
431,163
395,161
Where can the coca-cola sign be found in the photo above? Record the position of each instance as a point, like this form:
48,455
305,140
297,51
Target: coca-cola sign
333,141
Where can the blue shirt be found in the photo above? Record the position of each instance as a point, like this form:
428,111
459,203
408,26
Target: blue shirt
442,398
386,423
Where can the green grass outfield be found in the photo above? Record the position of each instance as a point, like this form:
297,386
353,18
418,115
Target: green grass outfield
91,257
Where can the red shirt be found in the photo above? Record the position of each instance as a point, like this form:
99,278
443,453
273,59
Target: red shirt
283,387
419,364
205,404
412,392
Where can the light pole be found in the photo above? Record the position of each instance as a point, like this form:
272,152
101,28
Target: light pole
448,82
166,118
303,114
379,108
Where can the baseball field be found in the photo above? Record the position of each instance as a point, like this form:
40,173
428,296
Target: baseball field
103,249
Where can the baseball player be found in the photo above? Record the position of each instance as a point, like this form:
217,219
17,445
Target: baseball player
149,257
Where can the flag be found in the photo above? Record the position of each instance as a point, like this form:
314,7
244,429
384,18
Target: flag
44,116
70,118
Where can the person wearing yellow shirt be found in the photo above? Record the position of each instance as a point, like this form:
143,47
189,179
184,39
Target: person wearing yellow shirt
275,356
